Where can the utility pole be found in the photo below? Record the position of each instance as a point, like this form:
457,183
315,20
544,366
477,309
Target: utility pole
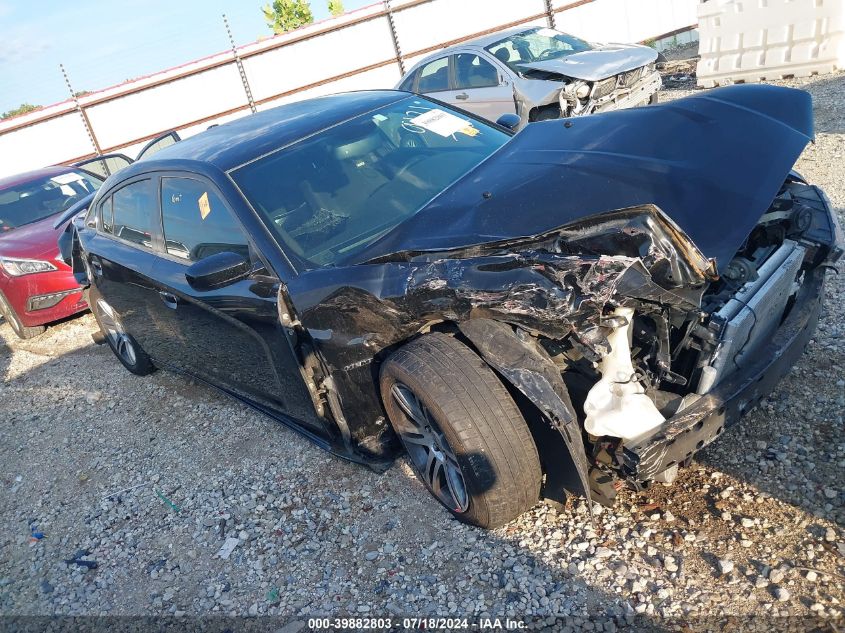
392,23
85,121
240,65
550,14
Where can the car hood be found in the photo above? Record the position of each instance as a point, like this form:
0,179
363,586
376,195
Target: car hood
604,61
35,240
712,163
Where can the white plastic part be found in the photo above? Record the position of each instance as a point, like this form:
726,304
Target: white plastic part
756,40
668,476
617,406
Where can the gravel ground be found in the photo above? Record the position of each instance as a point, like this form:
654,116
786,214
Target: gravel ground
148,477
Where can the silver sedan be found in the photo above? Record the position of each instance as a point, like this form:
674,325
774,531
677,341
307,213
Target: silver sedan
537,74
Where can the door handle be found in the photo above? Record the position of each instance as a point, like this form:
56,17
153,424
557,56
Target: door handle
169,299
463,96
97,267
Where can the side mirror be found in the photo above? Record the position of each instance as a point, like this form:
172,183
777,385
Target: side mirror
510,121
217,271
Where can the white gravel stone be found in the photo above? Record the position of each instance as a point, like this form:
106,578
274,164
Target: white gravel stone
776,576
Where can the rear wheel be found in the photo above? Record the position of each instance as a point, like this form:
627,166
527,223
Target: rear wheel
466,439
18,328
126,348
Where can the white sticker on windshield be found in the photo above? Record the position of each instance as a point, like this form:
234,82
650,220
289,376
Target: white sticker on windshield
547,32
66,179
441,122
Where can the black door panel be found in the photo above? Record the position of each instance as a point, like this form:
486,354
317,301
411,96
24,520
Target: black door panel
231,337
121,274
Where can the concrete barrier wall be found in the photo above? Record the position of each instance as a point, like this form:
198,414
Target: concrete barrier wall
750,40
352,52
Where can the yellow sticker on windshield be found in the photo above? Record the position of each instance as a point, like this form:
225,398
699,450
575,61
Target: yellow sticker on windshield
469,130
205,206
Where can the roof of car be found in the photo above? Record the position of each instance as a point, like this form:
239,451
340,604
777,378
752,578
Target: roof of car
232,144
478,42
35,174
486,40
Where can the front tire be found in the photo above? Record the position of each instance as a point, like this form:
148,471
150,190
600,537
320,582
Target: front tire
466,439
22,331
126,348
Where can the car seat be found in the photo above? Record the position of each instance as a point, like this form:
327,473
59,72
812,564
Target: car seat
503,55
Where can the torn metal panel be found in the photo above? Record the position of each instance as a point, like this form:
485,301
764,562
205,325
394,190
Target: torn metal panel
528,368
356,315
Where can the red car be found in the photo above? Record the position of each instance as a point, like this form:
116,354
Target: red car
36,286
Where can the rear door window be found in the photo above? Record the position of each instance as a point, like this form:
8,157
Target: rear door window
196,221
158,144
134,209
104,166
434,76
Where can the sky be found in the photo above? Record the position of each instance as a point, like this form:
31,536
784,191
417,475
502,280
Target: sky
105,42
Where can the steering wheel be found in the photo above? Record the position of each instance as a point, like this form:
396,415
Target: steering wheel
399,172
415,160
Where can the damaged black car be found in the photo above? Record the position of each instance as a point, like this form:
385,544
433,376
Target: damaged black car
572,309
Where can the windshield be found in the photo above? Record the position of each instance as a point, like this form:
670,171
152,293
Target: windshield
536,45
37,199
332,195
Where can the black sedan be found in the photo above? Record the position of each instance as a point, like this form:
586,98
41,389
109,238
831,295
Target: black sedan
576,307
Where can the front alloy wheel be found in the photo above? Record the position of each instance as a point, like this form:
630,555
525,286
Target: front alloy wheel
466,439
430,453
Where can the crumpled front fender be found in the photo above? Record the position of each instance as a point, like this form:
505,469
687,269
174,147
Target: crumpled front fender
528,368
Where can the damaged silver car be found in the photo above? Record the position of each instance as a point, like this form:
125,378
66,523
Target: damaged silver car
561,311
537,74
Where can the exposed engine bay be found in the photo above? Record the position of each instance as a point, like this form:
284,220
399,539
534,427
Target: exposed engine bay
657,358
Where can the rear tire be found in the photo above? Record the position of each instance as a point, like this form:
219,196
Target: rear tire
22,331
126,348
449,408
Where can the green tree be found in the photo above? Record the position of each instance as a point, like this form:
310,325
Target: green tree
336,7
286,15
22,109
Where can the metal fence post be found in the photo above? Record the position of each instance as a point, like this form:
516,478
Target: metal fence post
85,121
550,14
395,36
240,66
